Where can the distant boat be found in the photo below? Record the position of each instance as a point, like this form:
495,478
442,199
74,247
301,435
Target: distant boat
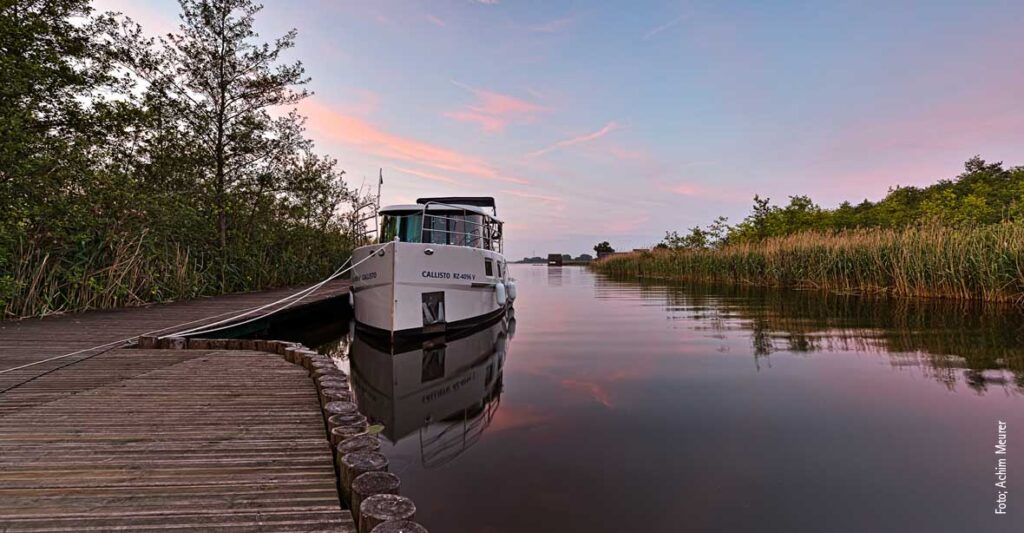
438,267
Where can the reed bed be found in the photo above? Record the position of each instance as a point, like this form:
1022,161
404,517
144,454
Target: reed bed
974,263
132,271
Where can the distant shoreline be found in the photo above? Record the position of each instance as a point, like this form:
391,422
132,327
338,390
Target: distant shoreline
984,263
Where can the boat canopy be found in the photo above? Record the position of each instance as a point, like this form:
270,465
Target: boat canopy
477,201
440,208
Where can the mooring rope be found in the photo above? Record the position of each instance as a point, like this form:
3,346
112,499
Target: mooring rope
229,322
114,344
201,329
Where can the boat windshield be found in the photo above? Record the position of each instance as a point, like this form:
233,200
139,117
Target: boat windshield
458,228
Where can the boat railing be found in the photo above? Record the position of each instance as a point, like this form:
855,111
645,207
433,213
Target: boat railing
358,221
484,238
457,436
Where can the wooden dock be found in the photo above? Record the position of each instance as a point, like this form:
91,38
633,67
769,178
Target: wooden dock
160,439
27,341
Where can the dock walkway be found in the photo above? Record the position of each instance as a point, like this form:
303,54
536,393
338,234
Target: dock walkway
30,340
165,440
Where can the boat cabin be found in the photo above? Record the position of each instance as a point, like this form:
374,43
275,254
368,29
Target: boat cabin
457,221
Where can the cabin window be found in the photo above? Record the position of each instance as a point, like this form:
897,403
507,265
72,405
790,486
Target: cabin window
499,269
474,231
442,227
406,227
437,230
457,230
488,267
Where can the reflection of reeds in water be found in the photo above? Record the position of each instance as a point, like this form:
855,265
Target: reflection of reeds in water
982,263
940,337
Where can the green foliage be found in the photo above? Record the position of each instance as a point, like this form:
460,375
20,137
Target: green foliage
715,235
985,193
603,247
135,170
968,263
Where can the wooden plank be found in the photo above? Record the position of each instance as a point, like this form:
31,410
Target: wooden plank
159,440
31,340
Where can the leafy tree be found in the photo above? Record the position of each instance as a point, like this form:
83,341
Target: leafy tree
54,66
985,193
135,169
221,86
716,234
603,247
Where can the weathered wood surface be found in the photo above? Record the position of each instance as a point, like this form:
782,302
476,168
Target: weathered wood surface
170,440
30,340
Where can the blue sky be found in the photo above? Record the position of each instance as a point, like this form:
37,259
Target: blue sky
620,120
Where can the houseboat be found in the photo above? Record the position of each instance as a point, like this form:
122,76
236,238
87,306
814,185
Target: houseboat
437,266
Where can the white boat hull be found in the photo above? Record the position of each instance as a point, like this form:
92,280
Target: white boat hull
426,288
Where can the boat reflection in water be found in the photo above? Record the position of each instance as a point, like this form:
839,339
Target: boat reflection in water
444,391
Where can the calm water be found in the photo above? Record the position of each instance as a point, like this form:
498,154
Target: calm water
618,406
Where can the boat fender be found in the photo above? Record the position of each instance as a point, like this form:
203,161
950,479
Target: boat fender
499,293
351,300
510,287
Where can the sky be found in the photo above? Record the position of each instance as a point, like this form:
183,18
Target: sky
617,121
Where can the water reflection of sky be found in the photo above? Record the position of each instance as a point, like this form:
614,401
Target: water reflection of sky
629,407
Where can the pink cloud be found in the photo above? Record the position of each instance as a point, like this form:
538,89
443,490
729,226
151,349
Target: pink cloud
558,203
608,128
427,175
619,225
435,21
493,111
488,123
718,193
686,189
354,131
624,154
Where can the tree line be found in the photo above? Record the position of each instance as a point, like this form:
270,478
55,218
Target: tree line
138,168
983,194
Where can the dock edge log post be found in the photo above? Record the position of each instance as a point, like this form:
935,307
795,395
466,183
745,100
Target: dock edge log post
334,394
381,508
370,484
360,443
340,434
351,419
357,463
339,408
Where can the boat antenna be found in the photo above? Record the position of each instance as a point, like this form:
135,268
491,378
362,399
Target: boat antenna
380,182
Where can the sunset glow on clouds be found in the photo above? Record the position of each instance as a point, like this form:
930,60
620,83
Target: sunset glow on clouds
493,111
591,121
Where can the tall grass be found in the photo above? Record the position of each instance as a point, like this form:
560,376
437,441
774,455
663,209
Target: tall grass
975,263
131,271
